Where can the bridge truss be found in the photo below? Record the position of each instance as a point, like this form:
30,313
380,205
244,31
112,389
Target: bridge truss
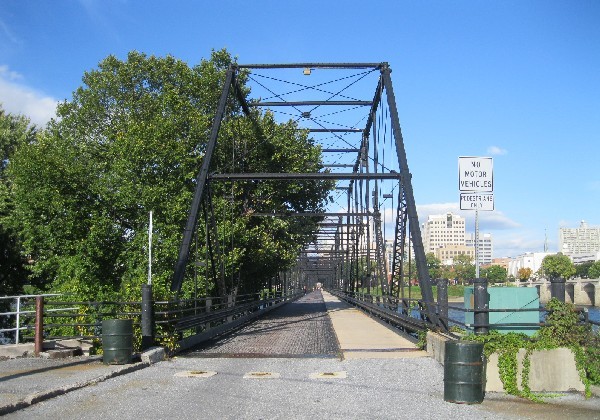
368,237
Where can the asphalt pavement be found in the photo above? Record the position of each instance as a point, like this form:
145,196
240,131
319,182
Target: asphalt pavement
366,385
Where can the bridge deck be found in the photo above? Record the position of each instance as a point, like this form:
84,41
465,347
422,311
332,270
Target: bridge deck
316,325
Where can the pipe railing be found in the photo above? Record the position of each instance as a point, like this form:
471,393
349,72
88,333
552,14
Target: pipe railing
411,314
69,319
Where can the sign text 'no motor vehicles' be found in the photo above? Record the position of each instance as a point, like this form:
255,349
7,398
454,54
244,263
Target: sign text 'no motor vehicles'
475,174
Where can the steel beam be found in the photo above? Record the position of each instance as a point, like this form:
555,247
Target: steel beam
335,130
342,224
411,208
308,214
188,232
312,103
313,66
341,151
315,176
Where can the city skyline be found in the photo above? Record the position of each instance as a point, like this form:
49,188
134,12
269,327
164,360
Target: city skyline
515,81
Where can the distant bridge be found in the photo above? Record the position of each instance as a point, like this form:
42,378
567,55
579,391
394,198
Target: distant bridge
577,291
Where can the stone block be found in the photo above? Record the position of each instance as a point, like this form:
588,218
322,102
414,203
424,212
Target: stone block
550,371
436,346
12,351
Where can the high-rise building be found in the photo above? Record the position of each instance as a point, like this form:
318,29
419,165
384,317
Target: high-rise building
447,253
486,247
443,230
577,241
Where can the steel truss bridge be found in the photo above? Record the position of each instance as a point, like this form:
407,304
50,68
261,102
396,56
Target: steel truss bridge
368,239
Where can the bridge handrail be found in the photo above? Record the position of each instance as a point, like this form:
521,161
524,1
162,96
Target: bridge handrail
389,309
83,319
384,312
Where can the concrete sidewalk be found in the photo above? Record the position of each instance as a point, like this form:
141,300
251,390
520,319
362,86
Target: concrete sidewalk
362,337
26,381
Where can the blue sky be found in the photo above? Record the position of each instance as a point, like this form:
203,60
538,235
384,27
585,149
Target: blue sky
517,80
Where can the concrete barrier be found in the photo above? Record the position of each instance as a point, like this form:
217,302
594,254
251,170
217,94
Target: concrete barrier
436,346
11,351
549,370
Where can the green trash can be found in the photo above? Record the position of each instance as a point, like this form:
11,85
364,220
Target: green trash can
464,372
117,341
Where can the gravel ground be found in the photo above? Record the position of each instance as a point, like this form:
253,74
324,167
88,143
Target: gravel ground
372,389
378,389
362,389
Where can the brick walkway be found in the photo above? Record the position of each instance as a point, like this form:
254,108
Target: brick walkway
298,329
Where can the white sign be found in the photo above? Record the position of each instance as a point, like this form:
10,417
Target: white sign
477,201
475,174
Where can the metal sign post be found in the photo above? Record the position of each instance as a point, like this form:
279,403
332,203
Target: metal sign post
476,186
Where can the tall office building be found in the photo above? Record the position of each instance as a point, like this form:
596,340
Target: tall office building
486,247
577,241
443,230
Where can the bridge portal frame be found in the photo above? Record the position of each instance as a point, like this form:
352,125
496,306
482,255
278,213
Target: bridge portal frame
406,203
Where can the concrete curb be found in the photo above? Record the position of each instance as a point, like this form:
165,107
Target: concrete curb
149,357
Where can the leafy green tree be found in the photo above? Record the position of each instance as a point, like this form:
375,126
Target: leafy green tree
494,273
463,268
447,272
594,271
130,141
524,273
433,265
14,131
558,265
582,270
263,246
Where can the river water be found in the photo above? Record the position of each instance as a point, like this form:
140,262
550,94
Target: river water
458,315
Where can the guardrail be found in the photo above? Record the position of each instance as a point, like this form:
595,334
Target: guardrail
61,318
411,315
18,311
407,314
188,322
195,325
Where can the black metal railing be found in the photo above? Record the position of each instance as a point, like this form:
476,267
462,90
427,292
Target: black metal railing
412,316
173,321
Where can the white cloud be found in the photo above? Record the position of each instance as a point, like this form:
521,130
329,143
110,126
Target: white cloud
593,186
17,98
496,151
510,238
6,32
488,220
518,243
6,73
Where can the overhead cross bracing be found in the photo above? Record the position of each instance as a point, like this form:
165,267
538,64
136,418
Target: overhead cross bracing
349,111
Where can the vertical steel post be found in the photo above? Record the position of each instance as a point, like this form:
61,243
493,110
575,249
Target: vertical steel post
411,208
367,209
17,327
200,185
557,288
348,266
480,306
442,301
39,325
476,243
147,317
